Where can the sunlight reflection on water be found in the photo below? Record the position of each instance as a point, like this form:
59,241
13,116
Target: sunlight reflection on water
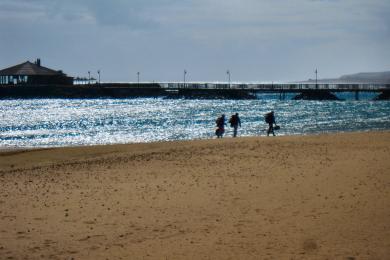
70,122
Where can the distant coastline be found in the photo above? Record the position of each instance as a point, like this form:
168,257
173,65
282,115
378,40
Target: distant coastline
357,78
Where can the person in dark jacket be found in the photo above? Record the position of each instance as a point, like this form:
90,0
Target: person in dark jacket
235,122
270,120
220,122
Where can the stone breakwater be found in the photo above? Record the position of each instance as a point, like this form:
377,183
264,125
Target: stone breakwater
120,91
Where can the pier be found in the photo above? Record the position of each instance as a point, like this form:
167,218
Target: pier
319,91
195,90
32,80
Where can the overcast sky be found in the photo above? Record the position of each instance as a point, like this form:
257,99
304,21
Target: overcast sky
257,40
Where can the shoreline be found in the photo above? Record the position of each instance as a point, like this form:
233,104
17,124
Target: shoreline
226,136
300,197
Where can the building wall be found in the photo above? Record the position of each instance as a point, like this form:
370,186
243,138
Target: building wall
49,80
36,80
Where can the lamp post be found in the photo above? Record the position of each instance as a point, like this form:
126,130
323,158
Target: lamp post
138,78
184,76
228,73
99,75
316,71
89,77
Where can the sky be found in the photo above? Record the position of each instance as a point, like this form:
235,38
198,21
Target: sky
256,40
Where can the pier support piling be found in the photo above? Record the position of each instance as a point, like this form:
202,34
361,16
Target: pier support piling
356,95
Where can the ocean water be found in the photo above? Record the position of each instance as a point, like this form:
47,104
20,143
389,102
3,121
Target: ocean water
73,122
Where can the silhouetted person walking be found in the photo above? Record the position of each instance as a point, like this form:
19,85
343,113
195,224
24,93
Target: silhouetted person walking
235,122
220,122
270,120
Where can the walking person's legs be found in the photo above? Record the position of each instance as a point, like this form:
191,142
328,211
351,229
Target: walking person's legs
270,129
235,131
220,132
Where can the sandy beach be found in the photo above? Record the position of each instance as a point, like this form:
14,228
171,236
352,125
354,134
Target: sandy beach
296,197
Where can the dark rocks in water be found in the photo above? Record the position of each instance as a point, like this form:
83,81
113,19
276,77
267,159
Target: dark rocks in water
385,95
316,95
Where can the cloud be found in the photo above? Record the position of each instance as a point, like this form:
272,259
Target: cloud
261,20
135,14
251,37
208,18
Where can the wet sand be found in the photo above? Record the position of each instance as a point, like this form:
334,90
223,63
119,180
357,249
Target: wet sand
299,197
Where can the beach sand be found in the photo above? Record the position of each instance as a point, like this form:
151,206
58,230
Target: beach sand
297,197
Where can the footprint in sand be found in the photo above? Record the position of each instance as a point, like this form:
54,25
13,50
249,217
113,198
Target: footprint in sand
310,245
89,222
90,237
8,217
34,249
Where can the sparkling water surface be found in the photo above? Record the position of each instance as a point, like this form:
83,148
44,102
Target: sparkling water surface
72,122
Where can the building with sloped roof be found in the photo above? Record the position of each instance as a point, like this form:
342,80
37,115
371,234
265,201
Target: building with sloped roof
33,74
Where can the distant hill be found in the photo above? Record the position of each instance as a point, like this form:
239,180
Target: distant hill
363,77
382,77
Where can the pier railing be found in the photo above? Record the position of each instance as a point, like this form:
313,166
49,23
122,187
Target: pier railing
281,86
